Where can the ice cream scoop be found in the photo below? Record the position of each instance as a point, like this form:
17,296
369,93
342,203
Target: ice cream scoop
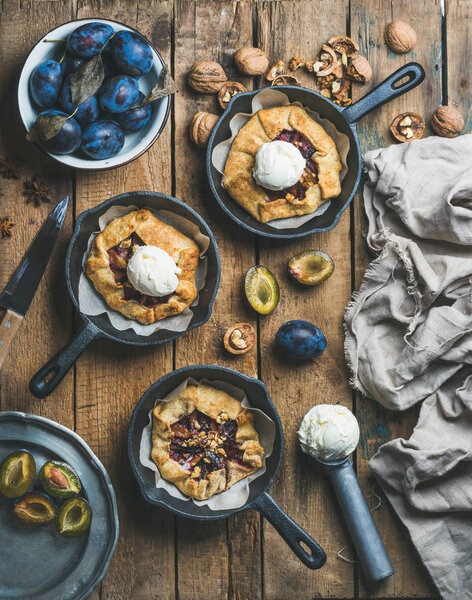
278,165
330,433
153,272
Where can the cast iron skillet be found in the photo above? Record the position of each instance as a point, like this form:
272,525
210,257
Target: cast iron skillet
345,120
51,374
259,498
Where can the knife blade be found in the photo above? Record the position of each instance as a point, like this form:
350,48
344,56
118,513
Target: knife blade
20,290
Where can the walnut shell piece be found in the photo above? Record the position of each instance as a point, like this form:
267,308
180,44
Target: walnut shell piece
286,80
400,37
325,62
251,61
275,70
408,126
227,91
344,45
240,338
206,77
201,127
447,122
359,69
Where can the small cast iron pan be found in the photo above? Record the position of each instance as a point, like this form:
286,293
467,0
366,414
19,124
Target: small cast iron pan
345,121
259,498
51,374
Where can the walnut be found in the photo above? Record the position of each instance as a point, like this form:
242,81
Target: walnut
240,338
326,62
295,63
408,126
359,69
447,122
340,88
251,61
206,76
276,69
286,80
201,128
400,37
344,45
227,91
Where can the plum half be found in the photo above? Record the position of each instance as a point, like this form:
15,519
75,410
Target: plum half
262,289
310,267
17,472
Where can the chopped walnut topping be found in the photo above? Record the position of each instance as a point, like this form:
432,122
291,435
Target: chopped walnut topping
196,471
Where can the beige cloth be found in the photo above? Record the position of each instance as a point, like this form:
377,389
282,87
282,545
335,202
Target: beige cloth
409,339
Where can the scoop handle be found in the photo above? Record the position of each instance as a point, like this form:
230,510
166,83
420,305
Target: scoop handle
369,546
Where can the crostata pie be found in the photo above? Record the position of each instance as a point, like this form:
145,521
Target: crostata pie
204,441
112,251
317,181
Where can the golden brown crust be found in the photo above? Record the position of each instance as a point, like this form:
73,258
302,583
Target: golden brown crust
215,404
153,232
263,127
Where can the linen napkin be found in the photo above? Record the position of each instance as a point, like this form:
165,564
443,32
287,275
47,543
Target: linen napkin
409,340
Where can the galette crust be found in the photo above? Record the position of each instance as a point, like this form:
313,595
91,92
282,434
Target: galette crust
153,232
213,403
263,127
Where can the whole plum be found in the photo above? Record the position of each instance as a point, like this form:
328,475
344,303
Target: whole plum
300,340
45,83
102,139
118,94
88,39
87,111
131,53
71,64
137,118
68,138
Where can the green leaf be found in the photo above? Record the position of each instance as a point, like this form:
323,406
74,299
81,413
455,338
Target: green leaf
84,83
164,87
45,127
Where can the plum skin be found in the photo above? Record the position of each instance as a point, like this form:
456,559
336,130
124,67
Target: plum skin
301,340
137,118
87,111
70,64
102,139
131,53
45,83
88,39
118,94
68,138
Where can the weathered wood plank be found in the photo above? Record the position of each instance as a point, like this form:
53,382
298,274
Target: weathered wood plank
368,20
300,488
228,552
110,376
459,52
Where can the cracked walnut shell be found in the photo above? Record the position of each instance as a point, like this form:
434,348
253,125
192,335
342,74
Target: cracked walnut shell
275,70
227,91
286,80
206,77
201,128
240,338
251,61
344,45
359,69
326,61
400,37
407,127
447,122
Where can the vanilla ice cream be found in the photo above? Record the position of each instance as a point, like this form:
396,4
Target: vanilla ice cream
329,432
279,165
152,271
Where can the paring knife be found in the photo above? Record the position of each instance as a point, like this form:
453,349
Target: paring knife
22,286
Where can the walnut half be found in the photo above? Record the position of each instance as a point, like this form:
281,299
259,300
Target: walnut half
407,127
240,338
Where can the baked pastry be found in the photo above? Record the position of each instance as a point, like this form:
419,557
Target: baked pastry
204,441
114,247
319,181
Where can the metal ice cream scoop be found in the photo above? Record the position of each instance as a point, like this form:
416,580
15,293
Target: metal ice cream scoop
324,434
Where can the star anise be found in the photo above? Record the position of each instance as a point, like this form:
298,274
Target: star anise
9,169
36,191
5,227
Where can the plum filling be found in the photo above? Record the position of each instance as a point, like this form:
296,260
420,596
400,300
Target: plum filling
201,444
119,258
310,176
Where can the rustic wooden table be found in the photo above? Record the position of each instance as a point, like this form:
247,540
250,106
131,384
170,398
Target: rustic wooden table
159,556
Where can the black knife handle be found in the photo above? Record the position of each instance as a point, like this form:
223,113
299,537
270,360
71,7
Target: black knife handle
50,376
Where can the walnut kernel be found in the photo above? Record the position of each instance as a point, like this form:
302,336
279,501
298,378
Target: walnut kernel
400,37
206,76
251,61
276,69
344,45
295,63
201,128
407,127
240,338
227,91
447,122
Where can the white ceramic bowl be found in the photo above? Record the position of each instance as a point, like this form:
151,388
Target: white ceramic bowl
135,143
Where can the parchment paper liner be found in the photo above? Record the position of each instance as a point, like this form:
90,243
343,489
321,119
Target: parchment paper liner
238,494
92,303
270,98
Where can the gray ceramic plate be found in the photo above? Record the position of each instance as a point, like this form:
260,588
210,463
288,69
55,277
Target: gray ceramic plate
36,563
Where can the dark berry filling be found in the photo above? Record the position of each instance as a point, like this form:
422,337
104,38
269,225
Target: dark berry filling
120,255
202,445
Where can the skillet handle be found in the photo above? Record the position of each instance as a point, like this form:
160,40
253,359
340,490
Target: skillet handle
385,91
292,533
52,373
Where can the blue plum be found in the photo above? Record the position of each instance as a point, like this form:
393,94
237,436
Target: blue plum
68,138
137,118
45,83
88,39
131,53
86,112
71,64
118,94
300,340
102,139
